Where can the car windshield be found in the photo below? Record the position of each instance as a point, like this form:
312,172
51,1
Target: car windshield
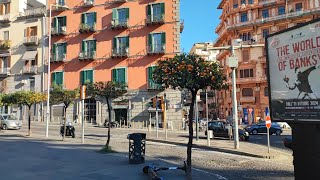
9,117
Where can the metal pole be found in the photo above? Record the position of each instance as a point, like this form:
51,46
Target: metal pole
268,135
197,121
234,106
157,120
207,116
82,120
48,78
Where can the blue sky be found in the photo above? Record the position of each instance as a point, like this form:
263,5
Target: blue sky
201,17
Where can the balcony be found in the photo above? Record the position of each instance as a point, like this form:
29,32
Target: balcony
5,45
153,86
251,99
119,1
3,86
87,55
155,19
36,12
5,18
4,72
30,69
156,49
116,24
59,7
267,2
56,31
58,57
31,41
120,52
86,28
88,2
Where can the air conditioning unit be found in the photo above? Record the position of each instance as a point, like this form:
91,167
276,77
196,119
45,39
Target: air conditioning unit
88,2
64,29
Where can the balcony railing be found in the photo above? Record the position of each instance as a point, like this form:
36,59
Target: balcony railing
5,44
119,24
5,18
87,28
155,19
88,2
4,71
247,99
58,57
266,2
152,85
120,52
33,12
62,30
30,69
119,1
87,55
6,1
156,49
31,40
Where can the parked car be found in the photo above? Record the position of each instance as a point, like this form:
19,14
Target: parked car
261,128
284,125
220,129
287,142
10,122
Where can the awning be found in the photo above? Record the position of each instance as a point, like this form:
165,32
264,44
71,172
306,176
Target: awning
4,54
29,55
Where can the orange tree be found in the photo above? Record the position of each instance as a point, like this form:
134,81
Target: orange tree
189,72
107,91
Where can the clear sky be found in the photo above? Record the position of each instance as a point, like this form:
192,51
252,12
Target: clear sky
201,17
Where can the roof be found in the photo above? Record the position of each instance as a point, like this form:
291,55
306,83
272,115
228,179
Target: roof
221,4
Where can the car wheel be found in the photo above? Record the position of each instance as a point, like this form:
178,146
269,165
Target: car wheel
278,132
5,127
254,132
242,138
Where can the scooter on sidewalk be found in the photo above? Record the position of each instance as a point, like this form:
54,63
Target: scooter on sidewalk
70,130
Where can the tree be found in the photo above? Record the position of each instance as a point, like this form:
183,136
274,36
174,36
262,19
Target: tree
190,72
65,96
107,91
26,98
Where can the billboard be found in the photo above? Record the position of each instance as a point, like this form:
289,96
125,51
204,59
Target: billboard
293,60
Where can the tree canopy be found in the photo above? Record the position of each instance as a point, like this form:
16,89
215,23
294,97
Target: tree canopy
65,96
109,90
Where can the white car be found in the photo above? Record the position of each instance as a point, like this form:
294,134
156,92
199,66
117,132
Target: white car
284,125
8,121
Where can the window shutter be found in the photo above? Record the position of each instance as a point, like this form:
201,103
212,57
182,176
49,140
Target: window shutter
127,13
94,45
64,20
65,48
54,46
95,17
127,42
114,75
82,77
55,22
150,42
150,69
149,10
83,46
82,18
162,8
89,76
121,75
114,43
53,78
163,38
114,14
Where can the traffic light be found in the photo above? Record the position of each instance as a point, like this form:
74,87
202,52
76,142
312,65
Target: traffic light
154,102
161,103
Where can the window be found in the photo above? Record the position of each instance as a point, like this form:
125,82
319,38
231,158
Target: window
156,42
5,64
151,83
246,73
30,31
119,75
266,91
61,2
243,2
120,16
5,35
4,8
88,20
57,78
121,45
245,55
250,1
247,92
244,17
245,36
59,51
235,4
298,6
88,48
265,13
59,24
265,33
281,10
86,76
155,12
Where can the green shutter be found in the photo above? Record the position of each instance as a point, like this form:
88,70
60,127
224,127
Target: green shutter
127,42
149,10
65,48
94,45
162,8
114,43
150,41
82,18
89,76
122,75
54,49
59,78
114,75
83,46
64,20
150,70
114,14
127,13
95,17
82,77
53,78
55,22
163,38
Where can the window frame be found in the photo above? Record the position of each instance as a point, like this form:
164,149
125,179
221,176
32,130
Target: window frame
247,92
54,77
263,13
117,76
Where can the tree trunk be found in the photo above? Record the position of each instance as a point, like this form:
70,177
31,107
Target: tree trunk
109,121
29,121
65,122
189,147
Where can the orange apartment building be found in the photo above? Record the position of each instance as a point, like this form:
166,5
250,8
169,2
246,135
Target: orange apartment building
252,21
115,40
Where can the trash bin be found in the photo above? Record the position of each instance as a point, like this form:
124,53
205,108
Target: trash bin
210,134
137,148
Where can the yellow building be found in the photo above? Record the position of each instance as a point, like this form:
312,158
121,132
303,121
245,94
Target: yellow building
252,21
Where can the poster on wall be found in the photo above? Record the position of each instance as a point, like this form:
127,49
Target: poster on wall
293,59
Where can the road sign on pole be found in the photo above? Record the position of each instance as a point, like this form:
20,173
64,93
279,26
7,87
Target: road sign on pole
268,125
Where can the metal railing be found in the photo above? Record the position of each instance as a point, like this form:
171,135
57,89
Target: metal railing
34,12
267,2
4,70
59,30
58,57
88,2
123,51
153,85
5,17
30,69
5,44
31,40
247,99
155,18
87,27
121,23
156,48
87,55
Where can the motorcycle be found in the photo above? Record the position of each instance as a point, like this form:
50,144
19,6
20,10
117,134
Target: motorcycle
69,129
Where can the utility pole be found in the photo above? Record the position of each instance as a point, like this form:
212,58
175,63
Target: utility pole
197,120
207,117
233,64
157,119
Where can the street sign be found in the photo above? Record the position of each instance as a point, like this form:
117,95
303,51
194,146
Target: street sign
268,122
233,62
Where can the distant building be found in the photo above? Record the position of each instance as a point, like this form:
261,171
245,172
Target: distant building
252,21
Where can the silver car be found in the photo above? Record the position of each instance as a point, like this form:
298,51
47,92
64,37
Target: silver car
8,121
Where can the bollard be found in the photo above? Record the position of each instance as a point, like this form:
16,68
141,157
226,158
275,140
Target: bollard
120,123
132,124
166,132
142,124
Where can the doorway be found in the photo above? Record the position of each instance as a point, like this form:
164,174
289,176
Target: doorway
120,114
90,110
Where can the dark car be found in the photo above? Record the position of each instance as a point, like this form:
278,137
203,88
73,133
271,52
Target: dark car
261,128
287,142
220,130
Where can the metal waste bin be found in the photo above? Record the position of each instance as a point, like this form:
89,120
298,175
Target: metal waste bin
137,148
